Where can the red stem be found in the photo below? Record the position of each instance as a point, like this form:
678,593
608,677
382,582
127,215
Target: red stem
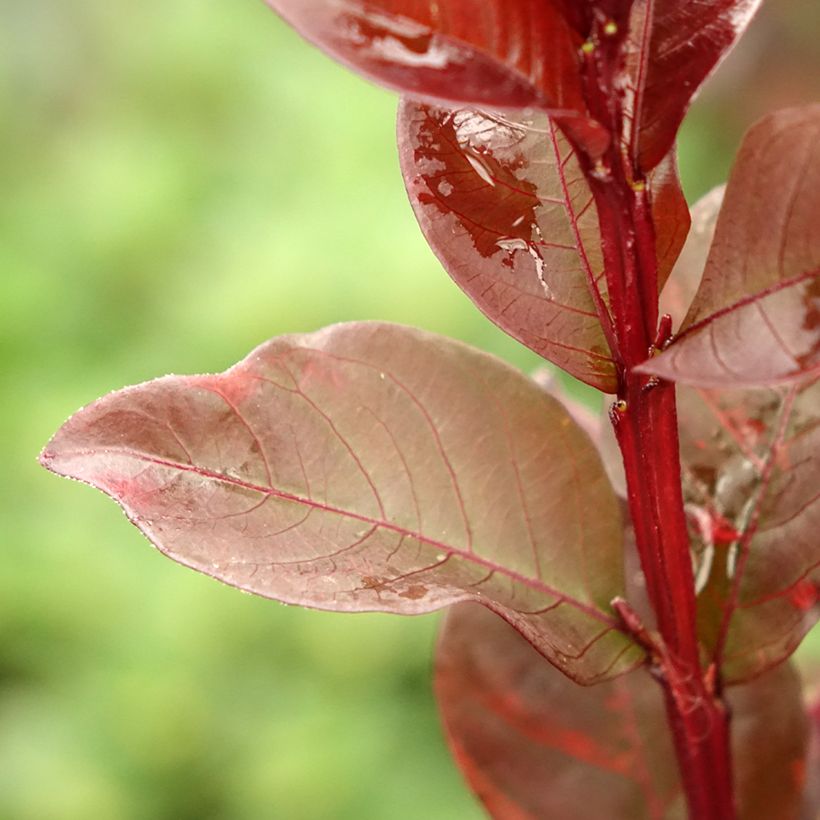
645,421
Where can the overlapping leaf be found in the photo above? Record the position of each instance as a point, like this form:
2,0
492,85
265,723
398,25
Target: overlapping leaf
533,745
756,317
512,54
505,206
676,45
371,467
752,490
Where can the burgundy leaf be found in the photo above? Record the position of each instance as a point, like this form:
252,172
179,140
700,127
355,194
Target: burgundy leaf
751,480
676,47
533,745
506,209
512,54
371,467
755,319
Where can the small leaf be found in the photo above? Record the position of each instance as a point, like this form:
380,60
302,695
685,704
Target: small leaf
671,215
755,319
510,55
533,745
751,479
676,47
504,205
371,467
683,282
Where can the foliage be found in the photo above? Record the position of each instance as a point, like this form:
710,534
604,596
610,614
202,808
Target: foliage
372,467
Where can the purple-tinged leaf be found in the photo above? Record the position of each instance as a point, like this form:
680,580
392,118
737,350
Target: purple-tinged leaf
511,55
676,47
751,481
505,207
755,319
682,285
532,745
371,467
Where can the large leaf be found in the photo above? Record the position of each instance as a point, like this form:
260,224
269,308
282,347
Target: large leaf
755,319
371,467
676,47
512,54
505,206
751,480
533,745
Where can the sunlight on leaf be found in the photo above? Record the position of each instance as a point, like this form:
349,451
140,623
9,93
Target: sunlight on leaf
371,467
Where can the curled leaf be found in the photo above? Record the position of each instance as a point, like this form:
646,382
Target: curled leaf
676,46
509,55
371,467
504,205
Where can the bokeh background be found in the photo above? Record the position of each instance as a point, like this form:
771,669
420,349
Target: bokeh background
179,181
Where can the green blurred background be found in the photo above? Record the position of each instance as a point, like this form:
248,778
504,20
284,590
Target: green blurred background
180,181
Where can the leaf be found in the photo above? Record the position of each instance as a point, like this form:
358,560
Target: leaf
511,55
751,479
506,209
755,319
533,745
670,213
680,288
371,467
677,46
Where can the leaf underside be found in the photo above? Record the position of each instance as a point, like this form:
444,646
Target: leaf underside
371,467
755,319
532,745
500,54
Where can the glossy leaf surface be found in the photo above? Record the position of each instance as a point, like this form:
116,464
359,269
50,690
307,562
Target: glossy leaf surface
533,745
504,205
752,491
677,45
371,467
511,55
755,319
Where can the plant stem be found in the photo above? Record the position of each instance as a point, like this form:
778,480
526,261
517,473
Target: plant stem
645,421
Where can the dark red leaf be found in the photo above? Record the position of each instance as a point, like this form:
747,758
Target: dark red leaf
751,481
371,467
756,317
511,55
676,47
504,205
532,745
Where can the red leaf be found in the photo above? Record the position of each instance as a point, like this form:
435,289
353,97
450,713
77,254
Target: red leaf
751,481
683,282
533,745
508,212
511,55
678,45
756,317
371,467
671,215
